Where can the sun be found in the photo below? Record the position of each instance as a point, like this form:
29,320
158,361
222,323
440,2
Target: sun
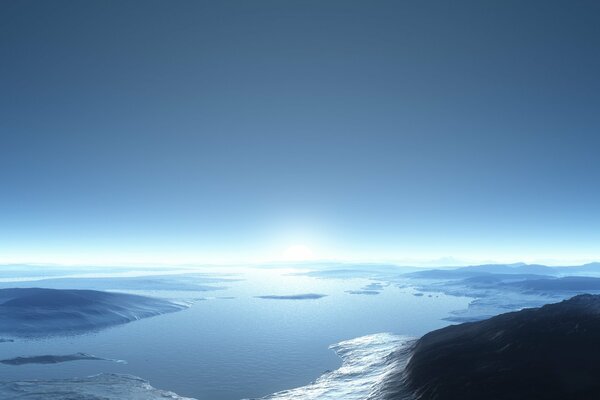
298,252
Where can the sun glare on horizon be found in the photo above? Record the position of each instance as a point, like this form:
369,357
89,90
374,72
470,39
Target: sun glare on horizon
298,252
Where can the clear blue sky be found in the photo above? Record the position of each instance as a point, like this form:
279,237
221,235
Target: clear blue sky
362,130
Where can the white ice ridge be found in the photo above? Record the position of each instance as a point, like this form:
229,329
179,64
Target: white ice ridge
365,364
97,387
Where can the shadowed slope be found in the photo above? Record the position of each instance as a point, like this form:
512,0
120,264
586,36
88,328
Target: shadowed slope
41,312
550,352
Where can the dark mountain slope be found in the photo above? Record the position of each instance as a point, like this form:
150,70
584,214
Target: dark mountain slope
552,352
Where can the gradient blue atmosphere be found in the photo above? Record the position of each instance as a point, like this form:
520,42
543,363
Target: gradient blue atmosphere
256,131
299,200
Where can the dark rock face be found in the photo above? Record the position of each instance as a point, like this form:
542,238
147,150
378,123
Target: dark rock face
552,352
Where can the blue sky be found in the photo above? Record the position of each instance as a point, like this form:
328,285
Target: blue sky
231,131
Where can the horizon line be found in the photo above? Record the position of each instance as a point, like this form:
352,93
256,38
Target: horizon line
425,264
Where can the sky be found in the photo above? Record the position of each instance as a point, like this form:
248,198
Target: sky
250,131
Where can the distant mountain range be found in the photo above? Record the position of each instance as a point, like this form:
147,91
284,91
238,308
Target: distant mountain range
590,269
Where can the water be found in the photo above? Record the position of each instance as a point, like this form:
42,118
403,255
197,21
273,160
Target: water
233,345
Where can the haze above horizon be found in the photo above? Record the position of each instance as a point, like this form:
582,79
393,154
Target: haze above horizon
235,131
